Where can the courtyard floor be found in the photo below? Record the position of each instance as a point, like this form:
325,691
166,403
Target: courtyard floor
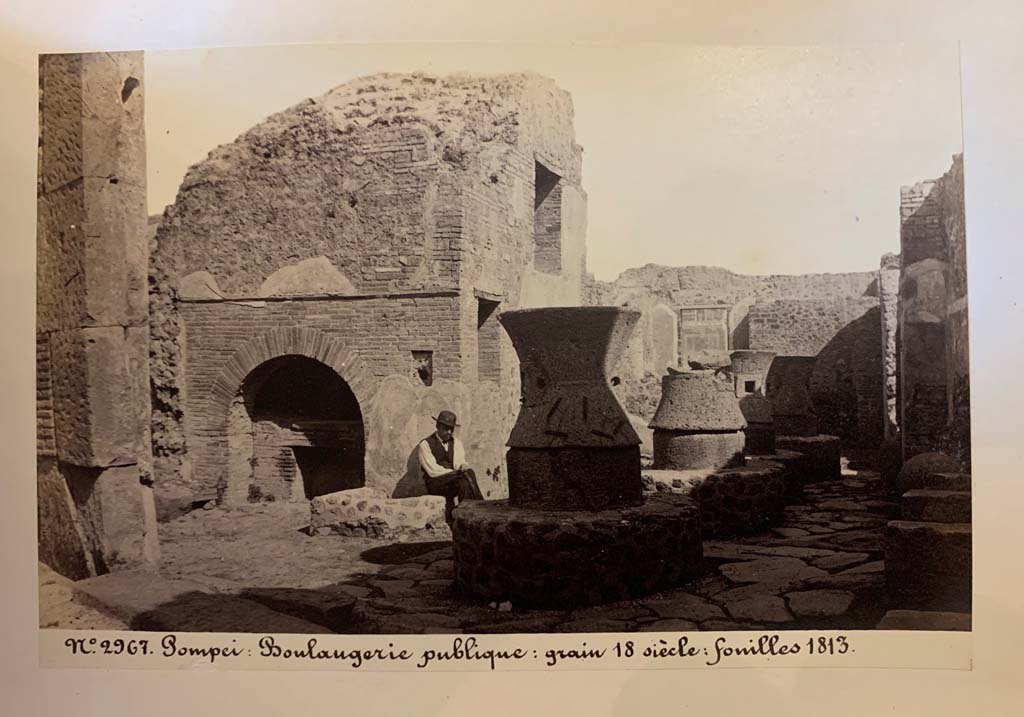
256,569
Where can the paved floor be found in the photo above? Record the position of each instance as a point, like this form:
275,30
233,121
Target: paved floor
821,569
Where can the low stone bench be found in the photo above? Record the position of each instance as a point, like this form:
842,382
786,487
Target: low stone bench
365,512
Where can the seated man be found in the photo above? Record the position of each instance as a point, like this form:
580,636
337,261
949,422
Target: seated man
443,462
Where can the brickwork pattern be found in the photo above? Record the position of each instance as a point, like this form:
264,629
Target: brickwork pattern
436,177
934,387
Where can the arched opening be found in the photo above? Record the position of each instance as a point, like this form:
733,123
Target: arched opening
295,431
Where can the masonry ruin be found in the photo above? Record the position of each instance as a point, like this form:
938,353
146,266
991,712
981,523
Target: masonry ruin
363,243
283,335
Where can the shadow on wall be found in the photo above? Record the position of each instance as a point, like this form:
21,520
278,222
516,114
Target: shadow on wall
411,483
846,383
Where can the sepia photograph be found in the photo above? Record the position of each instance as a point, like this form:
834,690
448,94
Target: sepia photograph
479,339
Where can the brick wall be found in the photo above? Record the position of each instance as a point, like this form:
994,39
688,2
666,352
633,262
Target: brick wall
803,328
384,332
844,336
704,285
413,197
547,231
934,387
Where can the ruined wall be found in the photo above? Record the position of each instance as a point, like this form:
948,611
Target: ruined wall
707,285
386,212
934,389
844,334
714,305
800,315
803,328
91,338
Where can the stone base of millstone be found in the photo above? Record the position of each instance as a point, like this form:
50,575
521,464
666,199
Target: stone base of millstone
760,439
732,501
821,455
574,478
928,565
794,465
689,450
565,559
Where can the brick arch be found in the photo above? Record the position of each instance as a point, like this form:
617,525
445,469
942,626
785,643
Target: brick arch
291,341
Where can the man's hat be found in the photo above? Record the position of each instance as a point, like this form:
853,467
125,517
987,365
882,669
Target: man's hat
446,418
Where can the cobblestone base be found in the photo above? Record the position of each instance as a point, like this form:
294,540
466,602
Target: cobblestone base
539,558
732,501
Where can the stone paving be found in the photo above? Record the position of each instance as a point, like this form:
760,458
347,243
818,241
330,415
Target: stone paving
821,568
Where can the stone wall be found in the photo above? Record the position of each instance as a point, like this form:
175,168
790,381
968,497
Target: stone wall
803,327
934,389
391,219
834,316
91,338
843,334
888,302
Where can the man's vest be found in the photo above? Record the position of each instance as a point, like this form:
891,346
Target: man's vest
444,458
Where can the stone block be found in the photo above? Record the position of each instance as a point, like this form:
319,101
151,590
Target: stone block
122,516
926,620
928,565
93,244
116,254
61,543
172,501
366,512
938,506
960,482
916,471
108,503
99,414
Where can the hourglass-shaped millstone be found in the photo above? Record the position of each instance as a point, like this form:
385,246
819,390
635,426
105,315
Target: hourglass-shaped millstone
749,371
698,423
572,447
788,383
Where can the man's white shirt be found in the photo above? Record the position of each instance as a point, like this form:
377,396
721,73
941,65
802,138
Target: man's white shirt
434,469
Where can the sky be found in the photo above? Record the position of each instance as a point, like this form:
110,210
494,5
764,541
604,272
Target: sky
762,160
